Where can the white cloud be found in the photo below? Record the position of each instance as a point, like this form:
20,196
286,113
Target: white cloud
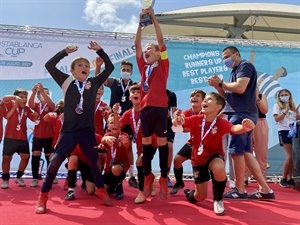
113,15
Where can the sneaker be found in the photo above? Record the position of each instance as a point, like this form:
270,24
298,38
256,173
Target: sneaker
291,182
119,192
70,195
176,188
4,185
257,195
55,181
219,208
20,181
34,183
140,198
284,183
169,183
235,194
133,183
191,199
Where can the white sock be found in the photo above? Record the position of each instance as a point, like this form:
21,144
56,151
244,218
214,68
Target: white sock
130,171
71,189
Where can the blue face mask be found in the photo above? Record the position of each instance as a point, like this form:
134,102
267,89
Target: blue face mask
285,99
125,75
229,62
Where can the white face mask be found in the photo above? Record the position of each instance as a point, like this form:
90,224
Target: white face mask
125,75
285,99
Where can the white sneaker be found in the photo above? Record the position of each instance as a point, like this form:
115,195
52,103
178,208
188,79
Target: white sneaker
55,181
20,181
219,208
34,183
4,185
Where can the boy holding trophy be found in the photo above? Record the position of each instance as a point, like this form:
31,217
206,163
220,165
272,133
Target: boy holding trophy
153,65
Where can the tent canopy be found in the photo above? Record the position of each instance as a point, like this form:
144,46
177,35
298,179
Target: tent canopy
255,21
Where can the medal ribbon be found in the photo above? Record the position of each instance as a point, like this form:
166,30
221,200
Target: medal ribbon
136,125
124,89
20,116
206,133
80,90
114,150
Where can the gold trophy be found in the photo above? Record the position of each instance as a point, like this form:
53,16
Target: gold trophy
146,19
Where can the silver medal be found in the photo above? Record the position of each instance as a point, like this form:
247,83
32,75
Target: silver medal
78,110
200,150
123,99
18,127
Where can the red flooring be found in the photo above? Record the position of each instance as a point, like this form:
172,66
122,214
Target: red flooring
17,207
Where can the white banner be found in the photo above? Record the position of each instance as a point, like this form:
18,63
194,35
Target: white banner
22,57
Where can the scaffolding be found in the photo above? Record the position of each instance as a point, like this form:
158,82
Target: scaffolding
72,34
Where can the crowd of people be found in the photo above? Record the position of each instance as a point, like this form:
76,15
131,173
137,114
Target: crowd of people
97,138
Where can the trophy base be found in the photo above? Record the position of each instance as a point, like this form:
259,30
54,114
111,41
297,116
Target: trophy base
146,21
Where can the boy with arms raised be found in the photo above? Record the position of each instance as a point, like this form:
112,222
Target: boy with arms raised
153,65
207,151
78,127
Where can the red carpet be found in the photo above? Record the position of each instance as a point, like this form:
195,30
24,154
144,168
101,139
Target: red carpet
17,207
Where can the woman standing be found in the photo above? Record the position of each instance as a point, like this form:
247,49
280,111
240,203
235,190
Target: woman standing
285,113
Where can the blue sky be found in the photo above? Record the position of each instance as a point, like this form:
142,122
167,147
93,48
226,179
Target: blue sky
102,15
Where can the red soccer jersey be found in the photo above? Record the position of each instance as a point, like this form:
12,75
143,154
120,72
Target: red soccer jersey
16,126
156,95
56,122
128,119
121,154
78,152
212,143
43,129
188,113
98,118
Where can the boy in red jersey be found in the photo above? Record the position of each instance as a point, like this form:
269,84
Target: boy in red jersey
116,143
43,131
16,113
153,65
185,152
102,110
207,151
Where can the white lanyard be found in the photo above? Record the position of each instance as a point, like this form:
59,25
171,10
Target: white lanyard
200,149
41,111
80,90
136,126
97,107
148,72
123,99
20,116
114,151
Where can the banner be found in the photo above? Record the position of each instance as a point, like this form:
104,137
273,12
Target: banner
23,56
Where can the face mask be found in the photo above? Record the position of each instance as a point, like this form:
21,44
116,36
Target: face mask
229,62
285,99
125,75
